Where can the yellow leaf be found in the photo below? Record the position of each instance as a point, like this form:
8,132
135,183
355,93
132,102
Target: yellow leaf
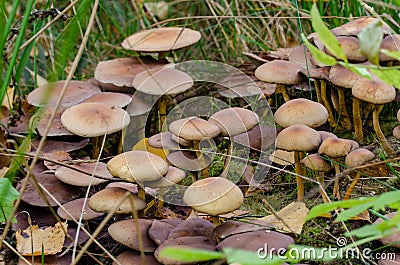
8,98
51,238
143,145
293,215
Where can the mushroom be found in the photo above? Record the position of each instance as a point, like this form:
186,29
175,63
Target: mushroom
185,228
389,43
111,99
160,229
282,157
335,148
377,93
301,111
41,118
392,240
282,73
75,209
93,119
356,158
130,257
298,138
354,27
351,48
317,163
213,196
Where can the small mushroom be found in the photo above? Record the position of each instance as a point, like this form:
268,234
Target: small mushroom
75,209
160,229
317,163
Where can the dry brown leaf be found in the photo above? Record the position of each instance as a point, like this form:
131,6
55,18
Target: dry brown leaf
8,97
3,172
294,215
60,156
51,238
233,214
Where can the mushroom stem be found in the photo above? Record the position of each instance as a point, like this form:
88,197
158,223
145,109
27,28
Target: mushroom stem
299,180
160,203
229,154
216,222
96,141
327,105
200,156
318,90
346,122
352,186
321,180
376,109
366,112
162,111
120,147
336,192
281,88
358,130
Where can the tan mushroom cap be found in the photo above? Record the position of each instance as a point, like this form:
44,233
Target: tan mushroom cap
342,77
390,43
398,115
111,99
41,118
325,135
282,157
167,81
48,95
392,239
180,140
374,91
160,229
139,104
358,157
137,166
301,111
317,163
74,208
354,144
121,71
163,140
130,257
351,48
185,228
161,39
234,86
396,132
298,137
173,176
214,196
334,148
354,27
234,121
187,160
94,119
125,232
105,200
194,129
279,71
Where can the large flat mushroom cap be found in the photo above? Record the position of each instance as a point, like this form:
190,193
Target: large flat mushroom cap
389,43
298,137
167,81
105,200
279,71
121,71
130,257
160,229
125,232
301,111
161,39
74,208
48,95
185,228
358,157
317,163
41,118
374,91
137,166
342,77
194,129
234,121
112,99
214,196
187,160
351,48
354,27
94,119
173,176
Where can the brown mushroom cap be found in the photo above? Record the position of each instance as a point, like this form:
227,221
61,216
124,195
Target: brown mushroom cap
393,239
389,43
301,111
161,39
214,196
354,144
197,242
334,148
60,191
185,228
137,166
342,77
111,99
94,119
173,176
244,120
234,86
355,26
163,141
47,95
395,261
298,137
396,132
325,135
125,232
139,104
180,140
317,163
258,138
74,208
282,157
41,118
105,200
351,48
51,146
230,228
252,241
187,160
160,229
121,71
279,71
374,91
194,129
130,257
166,81
398,115
358,157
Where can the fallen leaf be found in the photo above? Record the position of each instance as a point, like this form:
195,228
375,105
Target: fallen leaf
233,214
36,241
294,215
143,145
8,97
60,156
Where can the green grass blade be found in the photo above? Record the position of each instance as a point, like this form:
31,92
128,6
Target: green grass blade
370,41
190,254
